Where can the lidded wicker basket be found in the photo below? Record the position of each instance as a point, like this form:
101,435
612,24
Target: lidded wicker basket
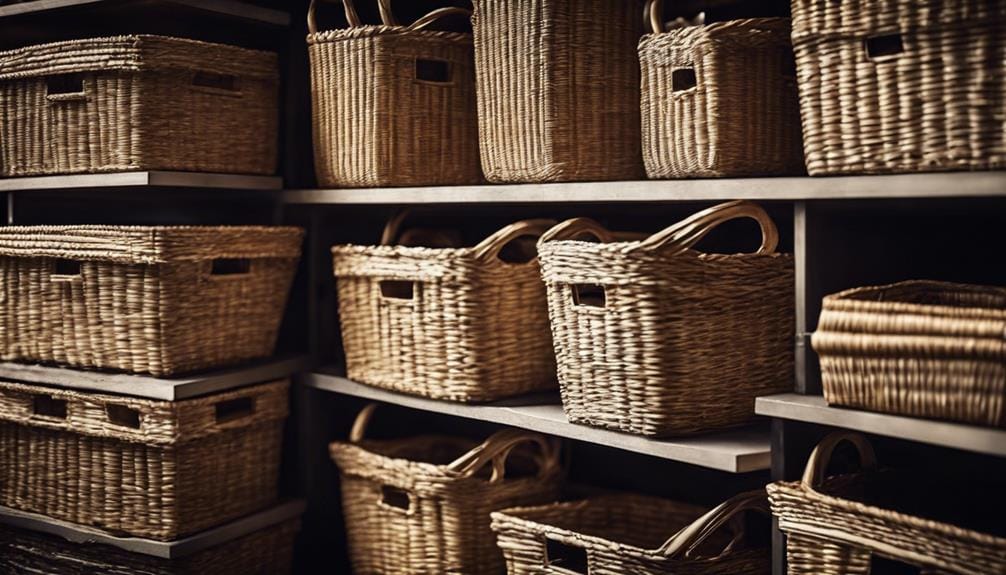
393,105
655,338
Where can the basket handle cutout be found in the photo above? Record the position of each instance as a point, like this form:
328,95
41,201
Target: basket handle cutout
589,295
566,558
65,270
433,71
230,266
685,542
235,409
398,289
492,246
817,465
892,567
683,79
49,406
683,235
395,498
497,449
352,18
65,88
123,416
883,48
223,83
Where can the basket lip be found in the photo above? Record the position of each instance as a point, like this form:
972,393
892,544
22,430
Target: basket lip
420,254
625,249
847,301
718,31
808,31
371,31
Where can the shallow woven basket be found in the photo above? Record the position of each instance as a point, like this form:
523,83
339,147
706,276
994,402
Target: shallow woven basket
421,505
903,86
837,525
158,300
154,469
918,348
558,89
655,338
719,100
137,103
448,323
393,105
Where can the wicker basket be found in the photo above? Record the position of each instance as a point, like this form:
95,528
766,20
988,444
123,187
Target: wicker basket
901,86
393,105
558,89
448,323
421,505
719,100
137,103
919,348
159,300
836,525
153,469
655,338
619,534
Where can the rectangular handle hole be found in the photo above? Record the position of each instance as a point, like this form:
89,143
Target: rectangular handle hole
436,71
64,84
683,79
230,266
565,557
49,406
224,82
884,46
884,566
589,295
398,289
66,267
395,497
234,409
123,416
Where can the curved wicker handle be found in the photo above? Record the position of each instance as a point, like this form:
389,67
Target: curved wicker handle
686,233
813,475
575,227
361,423
653,16
393,227
685,542
388,16
351,16
490,247
497,449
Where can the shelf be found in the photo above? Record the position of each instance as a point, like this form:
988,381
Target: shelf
229,8
163,549
152,179
814,409
736,451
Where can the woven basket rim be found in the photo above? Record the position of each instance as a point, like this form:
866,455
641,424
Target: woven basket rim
371,30
364,448
420,253
805,29
721,31
847,300
626,248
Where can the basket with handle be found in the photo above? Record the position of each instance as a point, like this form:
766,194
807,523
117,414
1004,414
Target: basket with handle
393,105
655,338
422,504
449,323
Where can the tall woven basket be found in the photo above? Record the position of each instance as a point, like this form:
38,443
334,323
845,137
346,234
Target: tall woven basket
393,105
558,89
421,505
137,103
655,338
918,348
448,323
904,86
158,300
719,100
154,469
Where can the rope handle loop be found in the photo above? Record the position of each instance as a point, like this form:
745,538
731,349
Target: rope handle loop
685,542
351,16
574,228
497,449
387,15
653,16
490,247
683,235
817,465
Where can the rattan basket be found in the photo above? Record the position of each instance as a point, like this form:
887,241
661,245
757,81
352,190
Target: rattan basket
137,103
719,100
902,86
919,348
393,105
448,323
558,89
158,300
154,469
655,338
421,505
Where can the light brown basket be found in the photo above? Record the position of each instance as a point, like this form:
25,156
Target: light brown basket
833,529
393,105
558,89
421,505
148,468
655,338
906,86
626,534
159,300
918,348
719,100
137,103
448,323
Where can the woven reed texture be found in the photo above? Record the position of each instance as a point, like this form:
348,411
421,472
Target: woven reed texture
153,469
143,299
137,103
558,89
450,494
740,117
937,104
655,338
918,348
469,327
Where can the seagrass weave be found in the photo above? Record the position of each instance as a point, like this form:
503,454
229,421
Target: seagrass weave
558,89
918,348
159,300
154,469
902,85
421,505
137,103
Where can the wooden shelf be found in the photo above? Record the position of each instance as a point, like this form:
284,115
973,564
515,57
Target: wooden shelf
229,8
736,451
153,179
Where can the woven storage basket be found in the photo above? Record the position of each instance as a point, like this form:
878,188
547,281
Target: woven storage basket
393,105
655,338
919,348
137,103
558,89
448,323
148,468
159,300
901,86
719,100
421,505
618,534
836,525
